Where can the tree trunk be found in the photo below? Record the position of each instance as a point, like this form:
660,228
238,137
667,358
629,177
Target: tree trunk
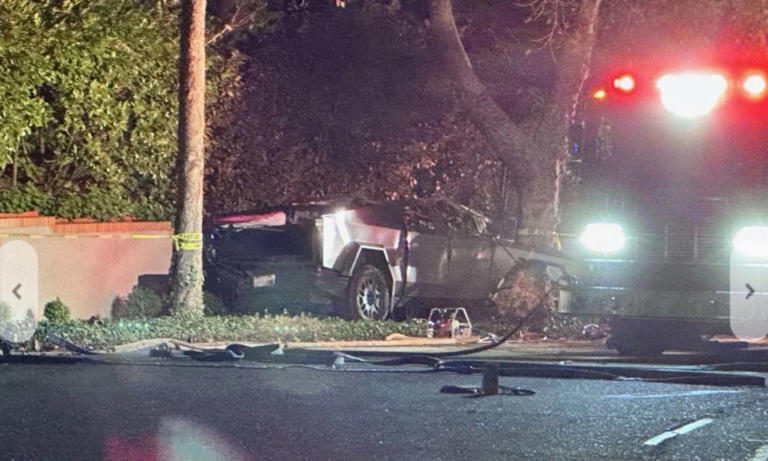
536,160
511,144
187,269
573,64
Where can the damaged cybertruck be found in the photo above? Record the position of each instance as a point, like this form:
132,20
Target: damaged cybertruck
372,261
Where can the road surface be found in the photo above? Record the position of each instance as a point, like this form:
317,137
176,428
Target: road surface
85,411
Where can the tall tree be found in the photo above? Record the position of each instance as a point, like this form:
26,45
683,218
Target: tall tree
187,270
535,157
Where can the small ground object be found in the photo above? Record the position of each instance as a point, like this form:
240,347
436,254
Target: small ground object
448,322
161,351
232,352
66,344
490,386
593,331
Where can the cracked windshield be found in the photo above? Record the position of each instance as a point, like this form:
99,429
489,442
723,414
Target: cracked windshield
383,229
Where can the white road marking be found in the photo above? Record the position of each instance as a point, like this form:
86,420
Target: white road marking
692,426
684,429
761,454
652,442
672,394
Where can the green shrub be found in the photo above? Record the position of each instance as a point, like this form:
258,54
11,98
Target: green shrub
252,328
143,303
56,311
24,198
213,305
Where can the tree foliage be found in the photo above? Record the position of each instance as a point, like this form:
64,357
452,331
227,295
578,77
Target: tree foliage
89,106
332,104
355,100
683,28
331,101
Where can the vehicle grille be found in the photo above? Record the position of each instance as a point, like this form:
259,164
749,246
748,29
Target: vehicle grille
681,244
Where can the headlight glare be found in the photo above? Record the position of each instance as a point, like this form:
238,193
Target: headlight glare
603,237
752,241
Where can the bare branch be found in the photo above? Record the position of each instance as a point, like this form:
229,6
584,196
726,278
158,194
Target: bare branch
240,18
557,14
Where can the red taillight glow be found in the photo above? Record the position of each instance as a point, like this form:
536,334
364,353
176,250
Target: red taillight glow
625,83
691,94
754,85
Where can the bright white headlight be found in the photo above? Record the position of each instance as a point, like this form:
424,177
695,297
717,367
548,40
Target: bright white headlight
603,237
691,94
752,241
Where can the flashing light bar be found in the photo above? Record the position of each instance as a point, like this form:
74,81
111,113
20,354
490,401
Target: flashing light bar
693,94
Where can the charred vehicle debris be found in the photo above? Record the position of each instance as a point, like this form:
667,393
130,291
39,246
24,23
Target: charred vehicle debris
370,261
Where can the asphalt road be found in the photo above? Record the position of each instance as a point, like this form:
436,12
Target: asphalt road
85,411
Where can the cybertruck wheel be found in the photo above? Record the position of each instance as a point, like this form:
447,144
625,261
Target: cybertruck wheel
368,294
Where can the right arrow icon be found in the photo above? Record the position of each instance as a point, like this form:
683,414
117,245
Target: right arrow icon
751,291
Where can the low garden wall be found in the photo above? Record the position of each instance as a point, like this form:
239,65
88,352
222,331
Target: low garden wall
84,264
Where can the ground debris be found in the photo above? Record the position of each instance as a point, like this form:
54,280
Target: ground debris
490,386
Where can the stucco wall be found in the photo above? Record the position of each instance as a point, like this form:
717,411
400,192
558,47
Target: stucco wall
87,272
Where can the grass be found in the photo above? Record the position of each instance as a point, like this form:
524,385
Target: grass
251,328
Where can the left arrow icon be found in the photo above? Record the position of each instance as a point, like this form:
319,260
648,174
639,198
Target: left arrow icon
15,291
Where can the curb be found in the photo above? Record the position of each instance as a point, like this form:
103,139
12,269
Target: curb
613,372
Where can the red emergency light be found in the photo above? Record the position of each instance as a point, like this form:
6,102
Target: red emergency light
754,85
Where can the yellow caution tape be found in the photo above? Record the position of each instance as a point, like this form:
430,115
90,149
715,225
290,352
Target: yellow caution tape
188,241
556,241
150,236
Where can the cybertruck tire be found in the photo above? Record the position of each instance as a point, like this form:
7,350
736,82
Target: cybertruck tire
368,295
